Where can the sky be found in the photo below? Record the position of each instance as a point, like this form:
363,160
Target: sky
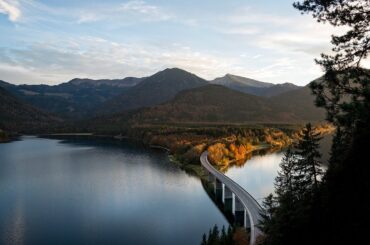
53,41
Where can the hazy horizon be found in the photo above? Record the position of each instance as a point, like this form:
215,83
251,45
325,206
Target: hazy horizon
61,82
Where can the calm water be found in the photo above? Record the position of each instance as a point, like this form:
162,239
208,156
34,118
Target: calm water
54,192
257,175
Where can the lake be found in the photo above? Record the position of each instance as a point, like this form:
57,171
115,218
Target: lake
110,192
257,175
98,192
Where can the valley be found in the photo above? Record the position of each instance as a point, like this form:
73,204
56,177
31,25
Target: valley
81,99
173,108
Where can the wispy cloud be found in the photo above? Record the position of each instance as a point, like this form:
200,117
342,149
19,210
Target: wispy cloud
100,58
140,7
111,39
132,10
57,61
297,34
10,8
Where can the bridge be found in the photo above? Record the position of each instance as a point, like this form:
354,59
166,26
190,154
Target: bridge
244,207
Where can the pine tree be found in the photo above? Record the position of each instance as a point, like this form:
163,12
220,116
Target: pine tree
223,238
282,211
267,225
210,237
204,239
215,238
308,164
230,235
285,181
288,215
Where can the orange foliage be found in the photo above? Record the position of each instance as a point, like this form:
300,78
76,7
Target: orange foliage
240,237
217,152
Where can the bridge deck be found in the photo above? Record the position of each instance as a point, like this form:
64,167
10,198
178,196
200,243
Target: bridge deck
251,205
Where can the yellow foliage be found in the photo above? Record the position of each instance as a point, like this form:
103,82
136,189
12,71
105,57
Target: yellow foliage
216,153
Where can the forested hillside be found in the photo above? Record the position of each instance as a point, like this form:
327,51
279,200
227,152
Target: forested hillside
75,99
215,103
18,116
154,90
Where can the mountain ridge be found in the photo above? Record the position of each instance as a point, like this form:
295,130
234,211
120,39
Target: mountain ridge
251,86
155,89
218,104
230,78
74,99
124,82
169,91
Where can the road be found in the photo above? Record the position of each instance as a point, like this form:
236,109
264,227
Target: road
251,205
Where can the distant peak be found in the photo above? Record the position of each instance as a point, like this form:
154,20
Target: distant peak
174,72
230,75
174,69
230,80
76,80
287,84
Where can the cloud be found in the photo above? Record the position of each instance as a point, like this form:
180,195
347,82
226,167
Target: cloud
86,17
10,8
131,11
281,33
140,7
117,13
241,30
57,61
248,15
267,47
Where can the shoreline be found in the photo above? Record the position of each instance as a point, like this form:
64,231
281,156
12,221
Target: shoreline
227,146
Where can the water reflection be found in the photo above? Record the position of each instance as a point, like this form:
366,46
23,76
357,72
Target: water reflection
257,173
94,192
16,227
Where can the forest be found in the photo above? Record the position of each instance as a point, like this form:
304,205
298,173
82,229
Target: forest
309,205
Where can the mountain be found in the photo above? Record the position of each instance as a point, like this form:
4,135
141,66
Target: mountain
299,103
18,116
215,103
174,95
230,80
75,99
250,86
156,89
211,103
121,83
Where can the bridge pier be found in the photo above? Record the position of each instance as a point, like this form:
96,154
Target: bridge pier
211,177
243,206
223,193
228,200
247,221
240,214
233,204
219,190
